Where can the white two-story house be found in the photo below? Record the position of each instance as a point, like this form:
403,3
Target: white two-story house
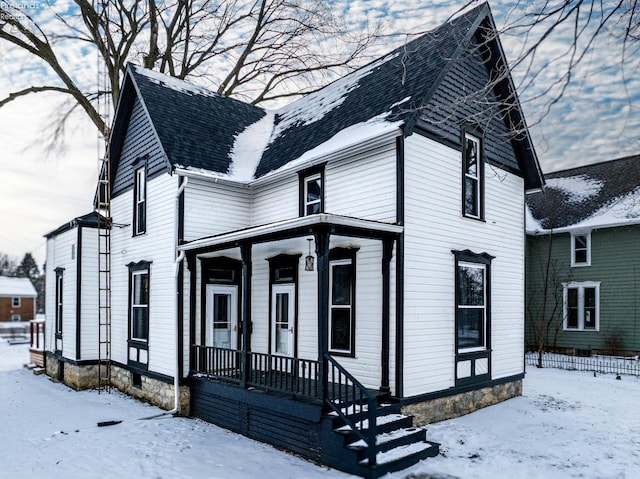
351,259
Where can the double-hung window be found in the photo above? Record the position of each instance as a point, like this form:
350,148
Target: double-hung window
140,201
15,302
472,187
312,191
582,306
581,249
140,305
471,285
342,304
59,302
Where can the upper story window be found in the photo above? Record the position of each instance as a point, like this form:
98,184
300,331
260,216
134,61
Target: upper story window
582,306
140,201
312,191
15,302
581,249
472,187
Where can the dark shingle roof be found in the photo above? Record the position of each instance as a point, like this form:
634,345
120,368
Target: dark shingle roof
610,189
90,220
198,128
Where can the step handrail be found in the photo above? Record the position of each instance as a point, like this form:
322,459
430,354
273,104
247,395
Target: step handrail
337,403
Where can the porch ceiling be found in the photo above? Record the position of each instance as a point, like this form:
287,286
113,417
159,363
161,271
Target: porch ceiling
342,225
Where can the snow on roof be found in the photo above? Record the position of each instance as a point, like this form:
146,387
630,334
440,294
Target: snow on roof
173,83
600,195
248,147
17,287
313,107
577,188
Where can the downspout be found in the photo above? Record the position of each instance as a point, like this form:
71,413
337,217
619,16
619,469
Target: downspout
176,269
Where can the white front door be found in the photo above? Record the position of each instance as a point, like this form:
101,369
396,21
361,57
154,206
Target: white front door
222,316
282,318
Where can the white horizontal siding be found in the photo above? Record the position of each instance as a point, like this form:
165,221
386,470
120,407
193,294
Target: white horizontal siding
157,246
213,208
89,303
433,228
363,186
59,249
275,201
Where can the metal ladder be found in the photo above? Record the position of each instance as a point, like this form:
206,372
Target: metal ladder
104,276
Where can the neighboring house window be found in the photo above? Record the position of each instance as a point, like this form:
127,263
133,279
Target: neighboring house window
582,306
140,201
15,317
15,302
312,191
342,301
59,302
472,187
139,302
473,316
581,249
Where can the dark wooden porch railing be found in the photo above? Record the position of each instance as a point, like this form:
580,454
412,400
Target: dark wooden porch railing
281,374
353,403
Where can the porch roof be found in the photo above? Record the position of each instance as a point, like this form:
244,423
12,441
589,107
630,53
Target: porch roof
338,224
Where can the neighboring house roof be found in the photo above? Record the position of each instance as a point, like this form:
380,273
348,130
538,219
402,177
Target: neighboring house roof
90,220
17,287
594,196
201,130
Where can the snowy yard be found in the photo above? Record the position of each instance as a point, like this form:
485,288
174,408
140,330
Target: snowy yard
567,424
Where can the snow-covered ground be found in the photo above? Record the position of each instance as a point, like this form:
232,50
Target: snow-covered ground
567,424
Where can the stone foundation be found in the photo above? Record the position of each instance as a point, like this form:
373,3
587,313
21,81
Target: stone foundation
153,391
440,409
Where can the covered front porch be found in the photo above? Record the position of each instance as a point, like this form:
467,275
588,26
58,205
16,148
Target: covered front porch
292,327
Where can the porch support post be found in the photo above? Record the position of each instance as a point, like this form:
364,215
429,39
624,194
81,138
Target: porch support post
387,252
191,264
322,236
245,252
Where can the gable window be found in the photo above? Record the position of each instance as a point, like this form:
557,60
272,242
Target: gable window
582,306
342,301
581,249
472,187
139,302
312,191
15,302
58,302
140,202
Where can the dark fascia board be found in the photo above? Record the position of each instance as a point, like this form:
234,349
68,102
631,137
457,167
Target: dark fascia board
505,89
90,220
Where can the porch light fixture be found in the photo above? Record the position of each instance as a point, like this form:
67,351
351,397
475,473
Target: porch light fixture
308,261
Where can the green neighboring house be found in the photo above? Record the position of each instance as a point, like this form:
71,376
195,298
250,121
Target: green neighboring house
583,259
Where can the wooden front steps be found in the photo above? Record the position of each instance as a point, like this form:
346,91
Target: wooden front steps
398,443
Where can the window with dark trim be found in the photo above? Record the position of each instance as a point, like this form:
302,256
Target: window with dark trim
15,302
581,249
139,302
472,177
342,302
140,201
312,191
59,302
473,308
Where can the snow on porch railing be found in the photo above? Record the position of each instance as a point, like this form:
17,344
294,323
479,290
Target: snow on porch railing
597,363
282,374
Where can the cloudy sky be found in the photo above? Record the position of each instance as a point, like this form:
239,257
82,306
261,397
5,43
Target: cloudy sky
596,119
